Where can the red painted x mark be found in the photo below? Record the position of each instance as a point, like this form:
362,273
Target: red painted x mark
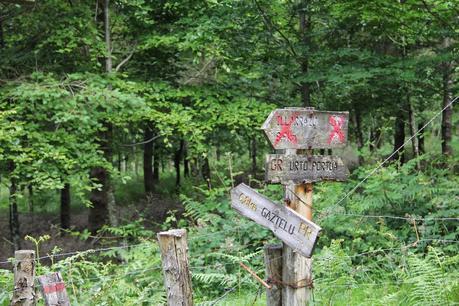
337,123
286,129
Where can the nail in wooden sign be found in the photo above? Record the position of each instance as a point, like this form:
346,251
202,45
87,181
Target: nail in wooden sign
306,128
299,169
53,289
293,229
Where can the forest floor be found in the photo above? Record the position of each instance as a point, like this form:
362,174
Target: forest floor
153,210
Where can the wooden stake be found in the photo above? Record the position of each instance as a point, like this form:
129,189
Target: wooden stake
296,269
174,256
24,274
273,263
52,287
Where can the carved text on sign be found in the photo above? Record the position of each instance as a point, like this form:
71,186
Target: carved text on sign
300,169
292,228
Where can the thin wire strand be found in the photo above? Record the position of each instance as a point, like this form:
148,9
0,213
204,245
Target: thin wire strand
81,252
395,152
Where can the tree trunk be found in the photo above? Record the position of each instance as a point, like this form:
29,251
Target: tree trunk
14,216
155,164
2,39
305,25
177,159
30,189
447,118
186,162
421,138
253,153
413,131
98,214
205,168
358,133
148,178
399,138
65,206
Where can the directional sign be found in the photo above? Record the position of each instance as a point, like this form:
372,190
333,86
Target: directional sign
304,128
296,231
299,169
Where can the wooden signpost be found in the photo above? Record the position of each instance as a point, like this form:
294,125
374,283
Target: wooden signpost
305,128
293,229
300,169
295,130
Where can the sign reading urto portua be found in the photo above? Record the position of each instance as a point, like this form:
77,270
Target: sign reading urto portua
296,231
300,169
303,128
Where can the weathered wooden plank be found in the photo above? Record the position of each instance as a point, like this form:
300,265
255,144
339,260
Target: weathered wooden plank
306,128
296,231
176,267
299,169
52,287
273,263
24,275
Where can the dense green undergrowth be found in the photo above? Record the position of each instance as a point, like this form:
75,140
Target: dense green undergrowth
362,257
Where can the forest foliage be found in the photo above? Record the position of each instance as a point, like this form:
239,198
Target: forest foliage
108,103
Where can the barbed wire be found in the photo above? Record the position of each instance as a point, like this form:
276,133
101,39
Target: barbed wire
395,152
89,251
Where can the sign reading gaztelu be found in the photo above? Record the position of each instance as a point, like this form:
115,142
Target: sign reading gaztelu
293,229
303,128
299,169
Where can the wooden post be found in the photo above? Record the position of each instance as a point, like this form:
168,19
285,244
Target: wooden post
24,274
53,290
296,269
273,263
174,257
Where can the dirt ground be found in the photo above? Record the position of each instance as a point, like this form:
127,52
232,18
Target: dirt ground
154,210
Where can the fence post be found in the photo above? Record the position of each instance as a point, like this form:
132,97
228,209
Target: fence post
53,289
273,263
296,269
174,257
24,274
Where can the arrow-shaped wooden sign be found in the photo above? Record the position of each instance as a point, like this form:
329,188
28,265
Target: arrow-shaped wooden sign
305,128
293,229
300,169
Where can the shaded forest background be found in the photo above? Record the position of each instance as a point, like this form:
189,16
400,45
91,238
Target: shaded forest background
121,117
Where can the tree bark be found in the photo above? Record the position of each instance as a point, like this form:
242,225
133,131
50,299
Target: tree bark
156,161
30,189
358,133
399,137
65,206
14,216
413,130
103,199
305,25
177,160
148,178
421,138
447,118
186,162
205,168
253,153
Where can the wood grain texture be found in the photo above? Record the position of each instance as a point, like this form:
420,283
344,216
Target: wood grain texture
273,263
299,169
53,289
302,128
296,269
24,276
286,224
174,257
